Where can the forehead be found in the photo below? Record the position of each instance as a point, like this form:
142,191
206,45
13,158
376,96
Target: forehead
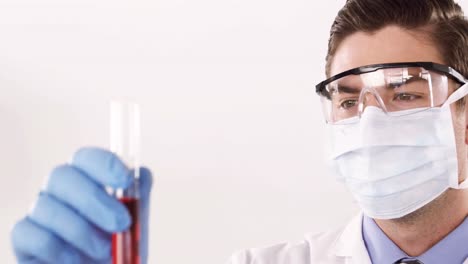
390,44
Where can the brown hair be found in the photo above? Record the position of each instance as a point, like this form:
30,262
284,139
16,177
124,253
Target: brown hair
442,20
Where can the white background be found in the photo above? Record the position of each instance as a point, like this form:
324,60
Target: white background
232,128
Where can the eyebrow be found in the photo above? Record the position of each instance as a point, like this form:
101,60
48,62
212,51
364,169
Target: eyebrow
347,89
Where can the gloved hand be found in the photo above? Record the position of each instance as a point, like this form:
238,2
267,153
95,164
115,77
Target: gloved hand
74,217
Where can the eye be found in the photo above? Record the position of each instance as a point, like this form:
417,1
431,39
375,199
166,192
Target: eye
406,97
347,104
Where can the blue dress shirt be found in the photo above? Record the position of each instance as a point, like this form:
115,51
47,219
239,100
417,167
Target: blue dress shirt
452,249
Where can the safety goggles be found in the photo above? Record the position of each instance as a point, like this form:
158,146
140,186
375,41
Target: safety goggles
394,87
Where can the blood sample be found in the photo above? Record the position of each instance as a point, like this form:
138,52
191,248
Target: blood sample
125,245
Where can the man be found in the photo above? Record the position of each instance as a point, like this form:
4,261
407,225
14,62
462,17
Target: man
394,102
398,123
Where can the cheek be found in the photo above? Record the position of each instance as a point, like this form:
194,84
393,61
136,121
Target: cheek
459,126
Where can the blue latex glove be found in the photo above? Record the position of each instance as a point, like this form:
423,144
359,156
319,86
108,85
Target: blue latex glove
74,217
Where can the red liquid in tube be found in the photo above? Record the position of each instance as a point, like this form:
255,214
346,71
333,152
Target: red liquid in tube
125,245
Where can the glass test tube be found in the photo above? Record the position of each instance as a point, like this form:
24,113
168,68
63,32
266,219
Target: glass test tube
125,142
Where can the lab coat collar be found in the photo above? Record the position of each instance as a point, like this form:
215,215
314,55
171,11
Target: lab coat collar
350,244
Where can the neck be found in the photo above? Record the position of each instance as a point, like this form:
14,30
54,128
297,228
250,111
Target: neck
419,231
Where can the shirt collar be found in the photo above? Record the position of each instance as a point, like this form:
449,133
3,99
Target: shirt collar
382,250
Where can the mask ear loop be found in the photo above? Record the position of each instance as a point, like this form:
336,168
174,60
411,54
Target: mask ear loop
457,95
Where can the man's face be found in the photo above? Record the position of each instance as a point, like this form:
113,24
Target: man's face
394,44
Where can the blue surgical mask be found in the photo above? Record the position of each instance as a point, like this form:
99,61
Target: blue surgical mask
394,165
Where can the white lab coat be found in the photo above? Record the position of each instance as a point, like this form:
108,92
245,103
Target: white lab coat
342,246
